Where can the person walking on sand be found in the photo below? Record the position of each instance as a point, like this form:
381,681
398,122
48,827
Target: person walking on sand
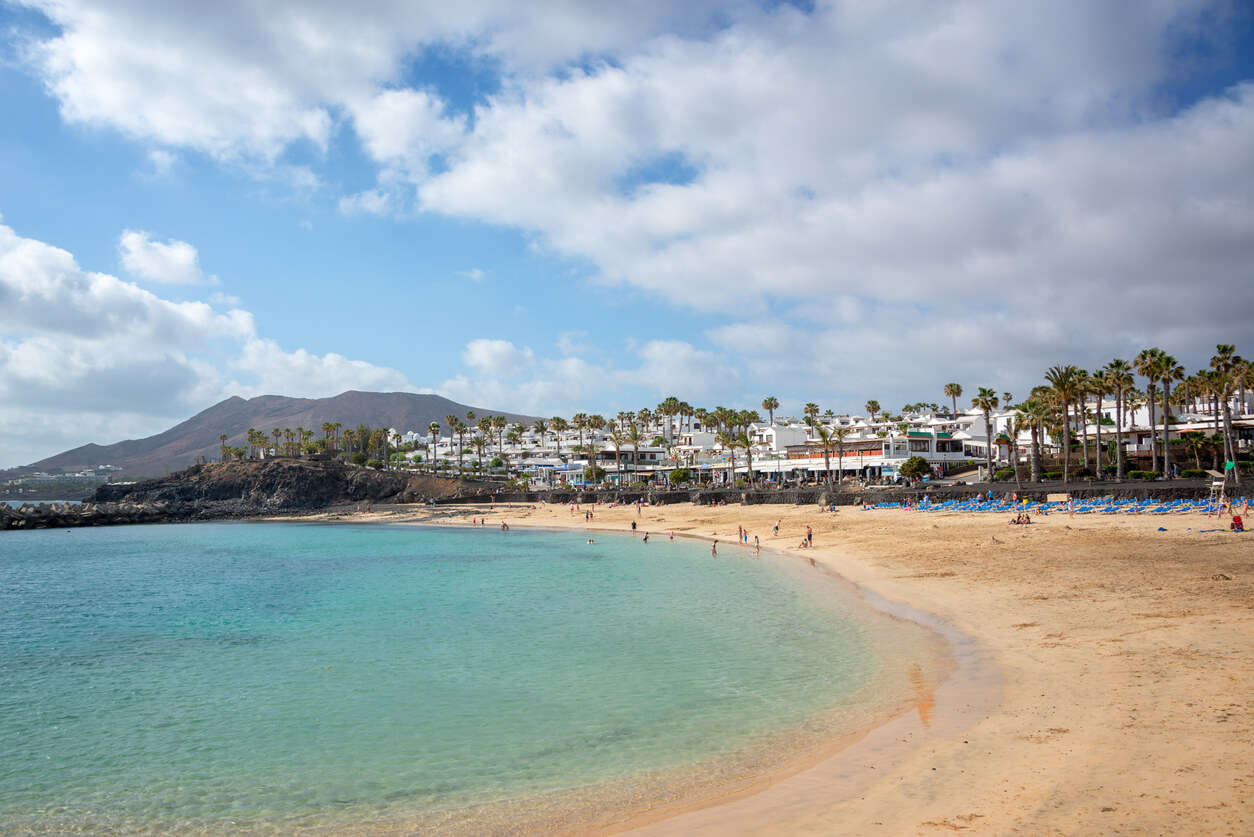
809,536
757,547
775,528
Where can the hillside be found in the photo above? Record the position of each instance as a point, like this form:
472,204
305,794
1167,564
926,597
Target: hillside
178,447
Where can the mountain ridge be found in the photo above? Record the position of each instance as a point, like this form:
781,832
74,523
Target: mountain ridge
199,436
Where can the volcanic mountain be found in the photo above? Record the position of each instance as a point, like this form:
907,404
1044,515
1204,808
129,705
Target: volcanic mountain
178,447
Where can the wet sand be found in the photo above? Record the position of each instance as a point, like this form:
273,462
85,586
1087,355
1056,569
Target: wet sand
1107,681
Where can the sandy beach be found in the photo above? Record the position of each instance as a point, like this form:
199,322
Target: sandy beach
1107,680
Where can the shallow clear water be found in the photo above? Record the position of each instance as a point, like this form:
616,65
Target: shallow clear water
290,677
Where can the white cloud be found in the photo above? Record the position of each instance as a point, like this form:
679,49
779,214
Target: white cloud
500,373
95,352
496,358
243,81
831,191
474,274
299,373
172,262
162,161
369,202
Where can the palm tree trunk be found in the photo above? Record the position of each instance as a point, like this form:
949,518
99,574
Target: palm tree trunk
1036,452
1098,456
1082,416
1230,444
1153,430
1066,444
1166,429
1119,399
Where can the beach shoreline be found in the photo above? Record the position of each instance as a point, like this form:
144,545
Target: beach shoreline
1123,644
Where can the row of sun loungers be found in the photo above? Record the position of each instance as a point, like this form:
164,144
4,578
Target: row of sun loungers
1104,505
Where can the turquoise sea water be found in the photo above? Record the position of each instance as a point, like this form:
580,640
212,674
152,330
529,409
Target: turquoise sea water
286,678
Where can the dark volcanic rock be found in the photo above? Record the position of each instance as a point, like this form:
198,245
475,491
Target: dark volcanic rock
276,486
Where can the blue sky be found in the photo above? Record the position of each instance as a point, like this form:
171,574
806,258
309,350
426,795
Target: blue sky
592,207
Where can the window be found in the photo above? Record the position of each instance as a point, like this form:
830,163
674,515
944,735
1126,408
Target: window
920,445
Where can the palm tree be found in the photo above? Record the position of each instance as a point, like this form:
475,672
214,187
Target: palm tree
670,407
1013,428
1036,412
559,426
838,434
1082,413
541,427
770,404
811,410
986,401
1194,442
1118,377
617,437
433,428
460,429
872,407
727,440
499,423
635,435
1147,365
1168,370
743,440
1064,383
702,415
828,442
1231,371
954,392
579,421
479,443
1100,388
222,439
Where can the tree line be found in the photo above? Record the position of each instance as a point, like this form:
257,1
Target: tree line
1069,397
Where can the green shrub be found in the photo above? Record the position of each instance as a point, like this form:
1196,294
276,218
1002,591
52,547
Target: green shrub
374,463
1192,473
1143,475
915,467
1082,473
680,475
1053,475
358,458
594,474
1004,474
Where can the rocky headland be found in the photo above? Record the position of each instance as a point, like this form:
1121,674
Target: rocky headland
239,490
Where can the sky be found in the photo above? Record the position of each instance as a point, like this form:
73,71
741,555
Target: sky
583,206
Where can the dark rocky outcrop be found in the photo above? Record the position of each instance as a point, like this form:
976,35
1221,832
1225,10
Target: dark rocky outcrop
239,489
66,515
